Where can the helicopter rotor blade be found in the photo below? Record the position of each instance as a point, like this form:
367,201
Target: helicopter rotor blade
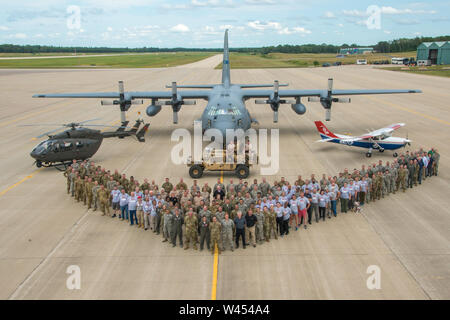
48,132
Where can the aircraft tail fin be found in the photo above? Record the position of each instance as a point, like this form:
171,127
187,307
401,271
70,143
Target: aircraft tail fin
323,130
226,61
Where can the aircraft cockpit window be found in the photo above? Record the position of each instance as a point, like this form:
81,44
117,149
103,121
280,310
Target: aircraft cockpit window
43,146
78,145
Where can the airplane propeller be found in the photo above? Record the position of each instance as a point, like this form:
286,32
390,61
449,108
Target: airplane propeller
124,102
274,101
176,102
327,100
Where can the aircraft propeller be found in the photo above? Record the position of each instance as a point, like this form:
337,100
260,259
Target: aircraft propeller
327,100
176,102
274,101
125,102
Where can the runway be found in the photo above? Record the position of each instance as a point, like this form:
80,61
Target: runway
43,231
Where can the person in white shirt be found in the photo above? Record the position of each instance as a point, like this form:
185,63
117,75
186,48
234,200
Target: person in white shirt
303,205
123,202
115,195
345,195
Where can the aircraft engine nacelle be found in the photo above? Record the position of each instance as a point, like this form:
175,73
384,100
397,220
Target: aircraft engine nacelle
153,110
299,108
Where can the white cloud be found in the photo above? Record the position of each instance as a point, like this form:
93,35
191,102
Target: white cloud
109,29
180,28
386,10
257,25
328,15
340,25
4,28
299,30
260,2
18,36
212,3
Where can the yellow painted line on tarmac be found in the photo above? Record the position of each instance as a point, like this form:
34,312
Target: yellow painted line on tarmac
424,115
215,269
20,182
216,262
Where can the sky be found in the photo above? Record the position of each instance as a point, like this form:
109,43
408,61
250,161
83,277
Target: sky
201,23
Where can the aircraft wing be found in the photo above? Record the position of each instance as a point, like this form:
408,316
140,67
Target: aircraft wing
319,93
385,130
188,94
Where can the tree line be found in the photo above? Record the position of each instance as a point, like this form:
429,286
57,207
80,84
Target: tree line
398,45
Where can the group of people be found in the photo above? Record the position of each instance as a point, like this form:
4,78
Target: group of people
227,215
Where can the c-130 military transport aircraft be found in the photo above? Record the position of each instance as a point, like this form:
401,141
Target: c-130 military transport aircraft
226,101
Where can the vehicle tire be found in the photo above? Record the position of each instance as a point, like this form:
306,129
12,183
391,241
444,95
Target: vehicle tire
368,154
381,150
242,171
38,164
395,155
196,171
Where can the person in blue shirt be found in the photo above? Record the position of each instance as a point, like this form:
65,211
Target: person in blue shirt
323,204
286,211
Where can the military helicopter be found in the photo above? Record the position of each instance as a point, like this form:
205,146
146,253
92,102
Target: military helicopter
78,142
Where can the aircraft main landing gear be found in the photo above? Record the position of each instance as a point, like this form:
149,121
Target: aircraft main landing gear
369,153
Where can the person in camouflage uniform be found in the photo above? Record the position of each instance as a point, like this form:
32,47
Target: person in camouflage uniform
273,223
436,157
191,223
67,175
103,198
378,185
386,183
403,175
259,226
95,200
166,221
78,189
227,232
215,231
88,191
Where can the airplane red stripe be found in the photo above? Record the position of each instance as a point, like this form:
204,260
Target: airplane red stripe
324,130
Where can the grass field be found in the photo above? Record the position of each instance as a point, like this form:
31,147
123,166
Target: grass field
47,54
302,60
153,60
441,71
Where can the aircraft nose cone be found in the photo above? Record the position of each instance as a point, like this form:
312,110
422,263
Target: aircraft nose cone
223,126
35,155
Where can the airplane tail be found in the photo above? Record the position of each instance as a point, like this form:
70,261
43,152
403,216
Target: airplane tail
226,62
324,132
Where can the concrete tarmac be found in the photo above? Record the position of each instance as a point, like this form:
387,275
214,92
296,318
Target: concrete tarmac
43,231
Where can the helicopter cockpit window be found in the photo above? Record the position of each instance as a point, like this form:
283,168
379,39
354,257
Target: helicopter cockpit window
43,146
78,145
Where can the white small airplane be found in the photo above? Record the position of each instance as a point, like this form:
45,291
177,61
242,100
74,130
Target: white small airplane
379,139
